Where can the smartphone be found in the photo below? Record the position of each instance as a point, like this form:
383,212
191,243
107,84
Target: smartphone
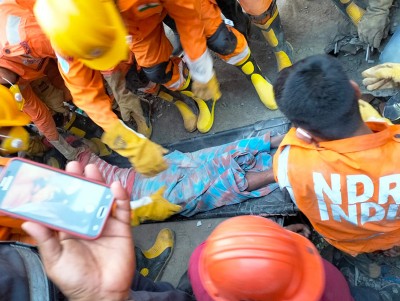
61,201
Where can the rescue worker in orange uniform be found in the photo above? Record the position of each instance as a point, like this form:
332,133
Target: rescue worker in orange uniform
199,24
29,75
87,89
349,181
21,34
265,15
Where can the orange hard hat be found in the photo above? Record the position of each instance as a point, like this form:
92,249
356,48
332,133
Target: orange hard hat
253,258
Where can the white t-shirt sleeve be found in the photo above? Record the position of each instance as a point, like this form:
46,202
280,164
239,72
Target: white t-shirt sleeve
283,168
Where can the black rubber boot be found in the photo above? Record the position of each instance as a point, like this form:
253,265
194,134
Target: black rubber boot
152,262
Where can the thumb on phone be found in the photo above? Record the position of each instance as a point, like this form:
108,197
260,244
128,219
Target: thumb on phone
122,209
47,240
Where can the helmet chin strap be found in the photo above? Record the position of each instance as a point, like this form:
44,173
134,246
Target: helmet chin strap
10,83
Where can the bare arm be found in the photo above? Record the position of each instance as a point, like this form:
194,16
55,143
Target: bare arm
259,179
276,140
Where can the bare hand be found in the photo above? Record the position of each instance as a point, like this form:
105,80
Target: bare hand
299,229
100,269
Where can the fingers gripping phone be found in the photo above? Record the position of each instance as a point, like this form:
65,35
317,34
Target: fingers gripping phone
54,198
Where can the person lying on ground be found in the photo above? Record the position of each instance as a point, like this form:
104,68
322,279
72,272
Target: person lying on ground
198,181
342,173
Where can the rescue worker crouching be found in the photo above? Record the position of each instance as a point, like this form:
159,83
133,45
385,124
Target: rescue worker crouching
80,61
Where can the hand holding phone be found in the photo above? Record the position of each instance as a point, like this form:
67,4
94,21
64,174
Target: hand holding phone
90,270
62,201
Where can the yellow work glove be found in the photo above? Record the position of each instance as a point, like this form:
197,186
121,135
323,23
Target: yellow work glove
383,76
145,155
208,90
153,207
368,112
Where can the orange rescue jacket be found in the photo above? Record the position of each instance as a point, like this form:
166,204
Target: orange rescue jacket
24,48
349,189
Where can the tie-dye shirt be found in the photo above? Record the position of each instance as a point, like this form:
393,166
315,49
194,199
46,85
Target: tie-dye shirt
211,177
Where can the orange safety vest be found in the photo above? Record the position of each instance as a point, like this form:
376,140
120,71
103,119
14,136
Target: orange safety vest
10,228
24,48
349,189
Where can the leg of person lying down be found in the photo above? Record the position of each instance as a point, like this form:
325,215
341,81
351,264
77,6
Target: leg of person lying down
205,179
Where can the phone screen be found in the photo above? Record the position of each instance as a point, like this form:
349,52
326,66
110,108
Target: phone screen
59,200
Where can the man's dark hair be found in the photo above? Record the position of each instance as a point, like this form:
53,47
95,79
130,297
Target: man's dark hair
316,95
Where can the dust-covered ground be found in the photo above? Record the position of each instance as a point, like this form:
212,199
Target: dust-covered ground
310,26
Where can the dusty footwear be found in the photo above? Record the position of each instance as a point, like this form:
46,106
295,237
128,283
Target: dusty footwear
271,27
143,121
206,114
140,120
152,262
189,117
262,86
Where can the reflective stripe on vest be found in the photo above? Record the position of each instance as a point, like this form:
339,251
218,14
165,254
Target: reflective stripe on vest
12,30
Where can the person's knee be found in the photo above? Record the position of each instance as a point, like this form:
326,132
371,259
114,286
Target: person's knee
160,73
223,41
256,8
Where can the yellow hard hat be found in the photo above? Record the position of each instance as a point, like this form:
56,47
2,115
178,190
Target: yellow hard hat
13,137
91,31
9,113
